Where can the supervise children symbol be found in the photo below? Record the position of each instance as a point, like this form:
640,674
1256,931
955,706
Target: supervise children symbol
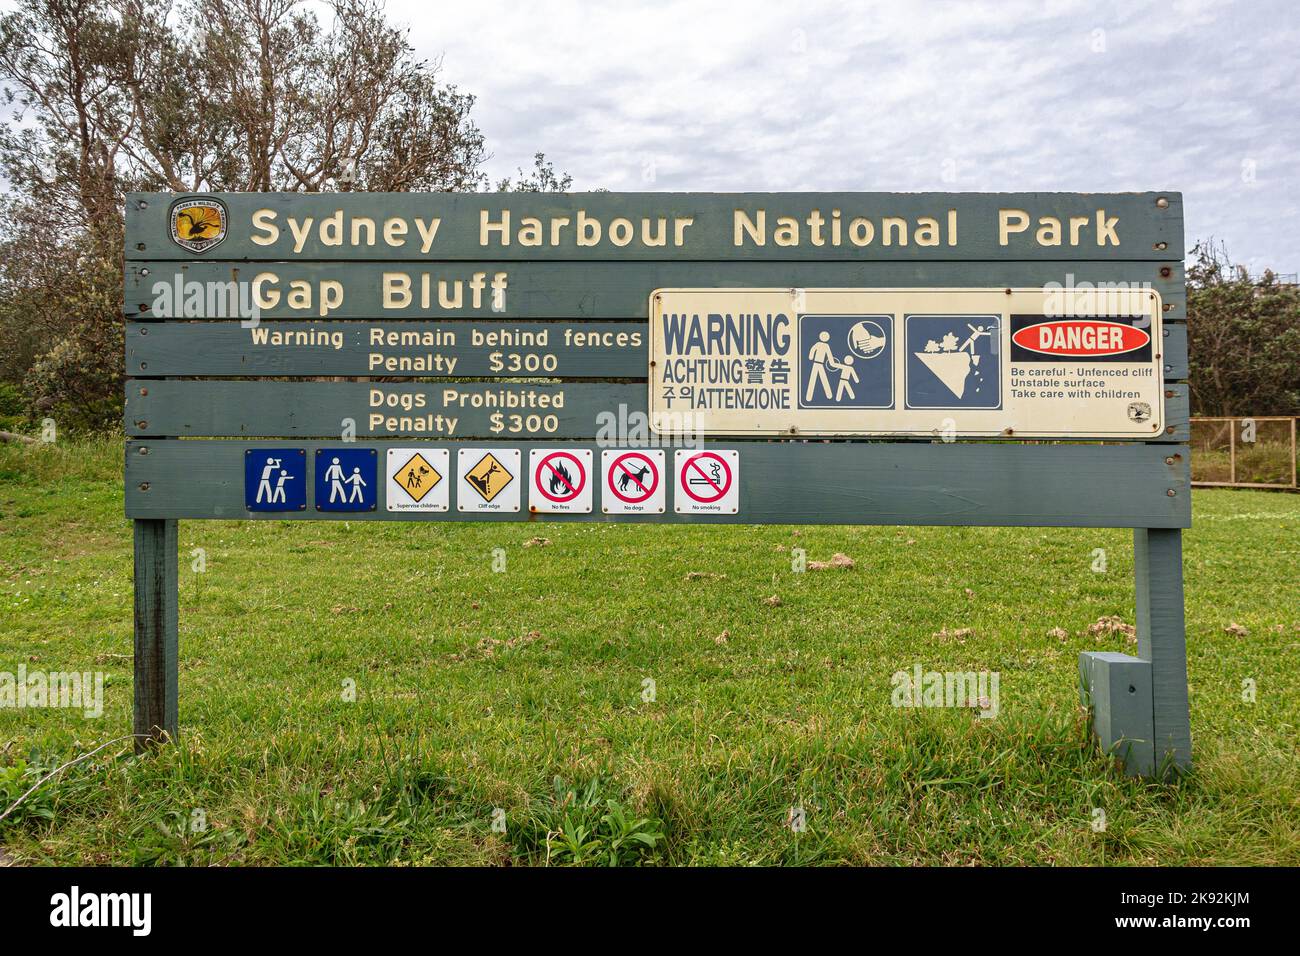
846,361
417,480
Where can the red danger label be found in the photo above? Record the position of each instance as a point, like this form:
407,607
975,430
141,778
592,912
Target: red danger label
1081,337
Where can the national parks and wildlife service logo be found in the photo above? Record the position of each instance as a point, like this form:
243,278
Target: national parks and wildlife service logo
198,224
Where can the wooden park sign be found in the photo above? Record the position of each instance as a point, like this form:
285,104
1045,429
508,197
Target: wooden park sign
814,358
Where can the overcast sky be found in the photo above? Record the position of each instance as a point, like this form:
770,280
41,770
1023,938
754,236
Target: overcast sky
1198,96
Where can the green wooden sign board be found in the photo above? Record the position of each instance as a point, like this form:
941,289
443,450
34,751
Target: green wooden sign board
803,358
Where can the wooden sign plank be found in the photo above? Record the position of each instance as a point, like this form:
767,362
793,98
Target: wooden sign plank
202,409
1175,351
590,350
558,290
387,410
677,226
401,349
1095,486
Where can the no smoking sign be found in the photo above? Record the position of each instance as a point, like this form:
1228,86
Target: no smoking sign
561,480
634,482
706,482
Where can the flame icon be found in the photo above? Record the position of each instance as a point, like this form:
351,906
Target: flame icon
561,480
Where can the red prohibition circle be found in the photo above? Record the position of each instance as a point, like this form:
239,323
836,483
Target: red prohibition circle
574,490
691,465
618,465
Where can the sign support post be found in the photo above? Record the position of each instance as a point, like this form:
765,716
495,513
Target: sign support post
156,632
1138,705
1158,566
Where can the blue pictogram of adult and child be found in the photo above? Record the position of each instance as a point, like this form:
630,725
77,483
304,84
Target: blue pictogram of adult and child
846,361
275,479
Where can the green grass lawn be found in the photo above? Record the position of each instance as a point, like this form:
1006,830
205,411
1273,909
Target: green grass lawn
489,702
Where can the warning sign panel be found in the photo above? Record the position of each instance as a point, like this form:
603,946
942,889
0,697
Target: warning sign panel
489,479
708,482
1049,362
561,480
634,482
417,479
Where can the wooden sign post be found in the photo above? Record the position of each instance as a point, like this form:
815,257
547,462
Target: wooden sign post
805,358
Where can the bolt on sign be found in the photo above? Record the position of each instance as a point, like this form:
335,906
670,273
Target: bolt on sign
749,358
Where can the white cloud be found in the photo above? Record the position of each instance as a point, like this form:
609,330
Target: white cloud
1061,95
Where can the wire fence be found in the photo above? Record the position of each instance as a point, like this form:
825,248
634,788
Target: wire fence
1244,452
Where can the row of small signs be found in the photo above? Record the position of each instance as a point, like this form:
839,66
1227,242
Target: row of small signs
560,480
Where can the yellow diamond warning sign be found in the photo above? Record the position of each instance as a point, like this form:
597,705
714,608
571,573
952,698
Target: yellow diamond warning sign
417,477
487,479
